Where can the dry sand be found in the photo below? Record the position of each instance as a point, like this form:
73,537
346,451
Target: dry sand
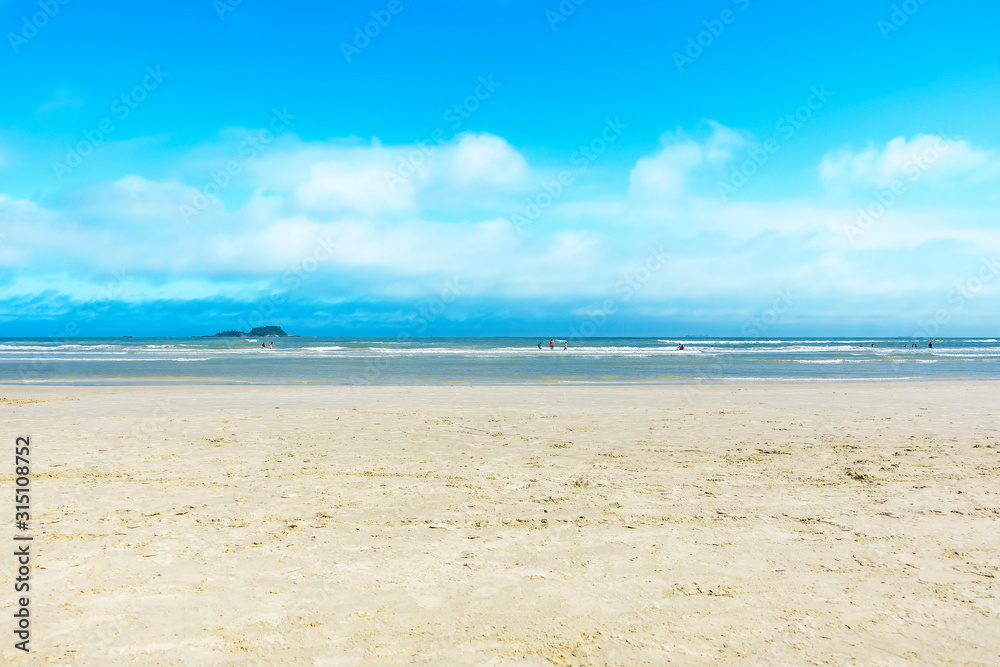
797,523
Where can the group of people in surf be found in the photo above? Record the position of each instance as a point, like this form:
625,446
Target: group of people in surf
931,344
552,344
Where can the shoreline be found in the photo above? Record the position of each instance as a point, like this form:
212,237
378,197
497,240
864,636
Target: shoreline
717,381
492,361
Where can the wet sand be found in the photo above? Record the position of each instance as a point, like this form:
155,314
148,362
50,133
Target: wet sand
795,523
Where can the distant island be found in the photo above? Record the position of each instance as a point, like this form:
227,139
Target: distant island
257,332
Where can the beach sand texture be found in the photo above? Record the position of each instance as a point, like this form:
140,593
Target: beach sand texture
533,524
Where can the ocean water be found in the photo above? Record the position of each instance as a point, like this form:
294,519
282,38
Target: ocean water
487,360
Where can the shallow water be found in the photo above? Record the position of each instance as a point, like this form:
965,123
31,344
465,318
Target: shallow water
487,360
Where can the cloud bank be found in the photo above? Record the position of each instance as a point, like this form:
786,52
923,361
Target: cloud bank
352,236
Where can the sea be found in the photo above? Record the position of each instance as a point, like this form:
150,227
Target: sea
406,361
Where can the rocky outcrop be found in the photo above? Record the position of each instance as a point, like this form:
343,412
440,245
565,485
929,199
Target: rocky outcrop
270,331
267,331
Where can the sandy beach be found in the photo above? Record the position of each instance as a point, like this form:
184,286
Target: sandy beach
797,523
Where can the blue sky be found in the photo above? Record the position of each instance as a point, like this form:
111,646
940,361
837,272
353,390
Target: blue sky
498,167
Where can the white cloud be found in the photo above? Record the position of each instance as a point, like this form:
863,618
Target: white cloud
123,286
666,173
139,200
375,180
338,186
908,160
484,160
330,205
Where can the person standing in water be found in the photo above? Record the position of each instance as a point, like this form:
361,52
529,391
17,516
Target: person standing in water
264,345
272,346
539,345
552,343
565,344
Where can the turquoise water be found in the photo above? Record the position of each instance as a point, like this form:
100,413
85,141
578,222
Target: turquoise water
487,360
